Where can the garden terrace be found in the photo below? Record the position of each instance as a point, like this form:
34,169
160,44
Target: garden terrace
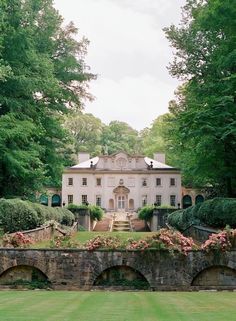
159,269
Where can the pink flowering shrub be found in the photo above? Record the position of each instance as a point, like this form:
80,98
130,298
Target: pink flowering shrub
63,241
164,239
103,242
17,239
220,241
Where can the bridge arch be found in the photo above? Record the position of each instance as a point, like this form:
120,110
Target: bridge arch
215,275
24,274
121,275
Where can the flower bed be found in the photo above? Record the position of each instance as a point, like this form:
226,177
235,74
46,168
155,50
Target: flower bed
222,241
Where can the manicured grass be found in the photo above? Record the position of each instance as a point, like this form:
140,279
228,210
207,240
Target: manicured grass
117,306
84,236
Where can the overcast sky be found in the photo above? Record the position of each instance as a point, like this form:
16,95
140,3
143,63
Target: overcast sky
129,53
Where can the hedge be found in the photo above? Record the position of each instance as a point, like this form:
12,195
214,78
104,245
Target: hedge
146,212
18,215
217,212
96,212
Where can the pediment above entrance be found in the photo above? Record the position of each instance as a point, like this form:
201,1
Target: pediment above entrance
121,161
121,190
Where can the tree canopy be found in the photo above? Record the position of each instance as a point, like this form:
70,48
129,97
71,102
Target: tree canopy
42,76
204,112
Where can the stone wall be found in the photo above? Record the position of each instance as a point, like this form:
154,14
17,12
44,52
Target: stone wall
199,233
45,233
79,269
159,218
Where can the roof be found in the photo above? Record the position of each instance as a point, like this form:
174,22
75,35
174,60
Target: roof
87,164
149,161
155,163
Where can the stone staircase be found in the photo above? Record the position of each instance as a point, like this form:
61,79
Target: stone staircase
103,226
121,226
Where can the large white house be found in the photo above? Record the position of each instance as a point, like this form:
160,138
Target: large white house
121,182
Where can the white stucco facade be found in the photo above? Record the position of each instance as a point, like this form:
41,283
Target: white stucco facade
122,182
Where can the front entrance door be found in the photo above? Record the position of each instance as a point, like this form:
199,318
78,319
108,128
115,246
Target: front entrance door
121,203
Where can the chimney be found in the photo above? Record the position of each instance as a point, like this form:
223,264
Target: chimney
159,157
83,157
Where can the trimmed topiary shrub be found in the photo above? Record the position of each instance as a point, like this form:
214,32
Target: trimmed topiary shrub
17,215
66,216
217,212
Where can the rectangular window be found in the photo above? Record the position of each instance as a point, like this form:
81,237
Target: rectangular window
173,200
158,181
99,181
70,199
144,200
98,200
158,200
172,182
84,181
70,181
84,199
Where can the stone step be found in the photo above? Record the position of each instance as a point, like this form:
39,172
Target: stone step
103,226
117,229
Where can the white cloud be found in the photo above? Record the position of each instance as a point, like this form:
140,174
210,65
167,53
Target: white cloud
137,101
129,52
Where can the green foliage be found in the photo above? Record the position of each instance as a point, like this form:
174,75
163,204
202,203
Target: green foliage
86,131
119,136
217,212
74,207
42,73
203,131
66,216
146,212
156,138
96,212
17,215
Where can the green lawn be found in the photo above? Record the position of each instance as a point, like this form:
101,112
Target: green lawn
117,306
84,236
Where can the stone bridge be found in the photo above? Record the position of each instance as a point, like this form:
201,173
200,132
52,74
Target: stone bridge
79,269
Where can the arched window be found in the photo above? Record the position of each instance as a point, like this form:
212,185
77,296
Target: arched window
131,204
199,199
56,200
111,204
187,201
43,199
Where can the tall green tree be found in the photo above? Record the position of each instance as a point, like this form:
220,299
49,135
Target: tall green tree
119,136
204,113
156,138
86,131
42,76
